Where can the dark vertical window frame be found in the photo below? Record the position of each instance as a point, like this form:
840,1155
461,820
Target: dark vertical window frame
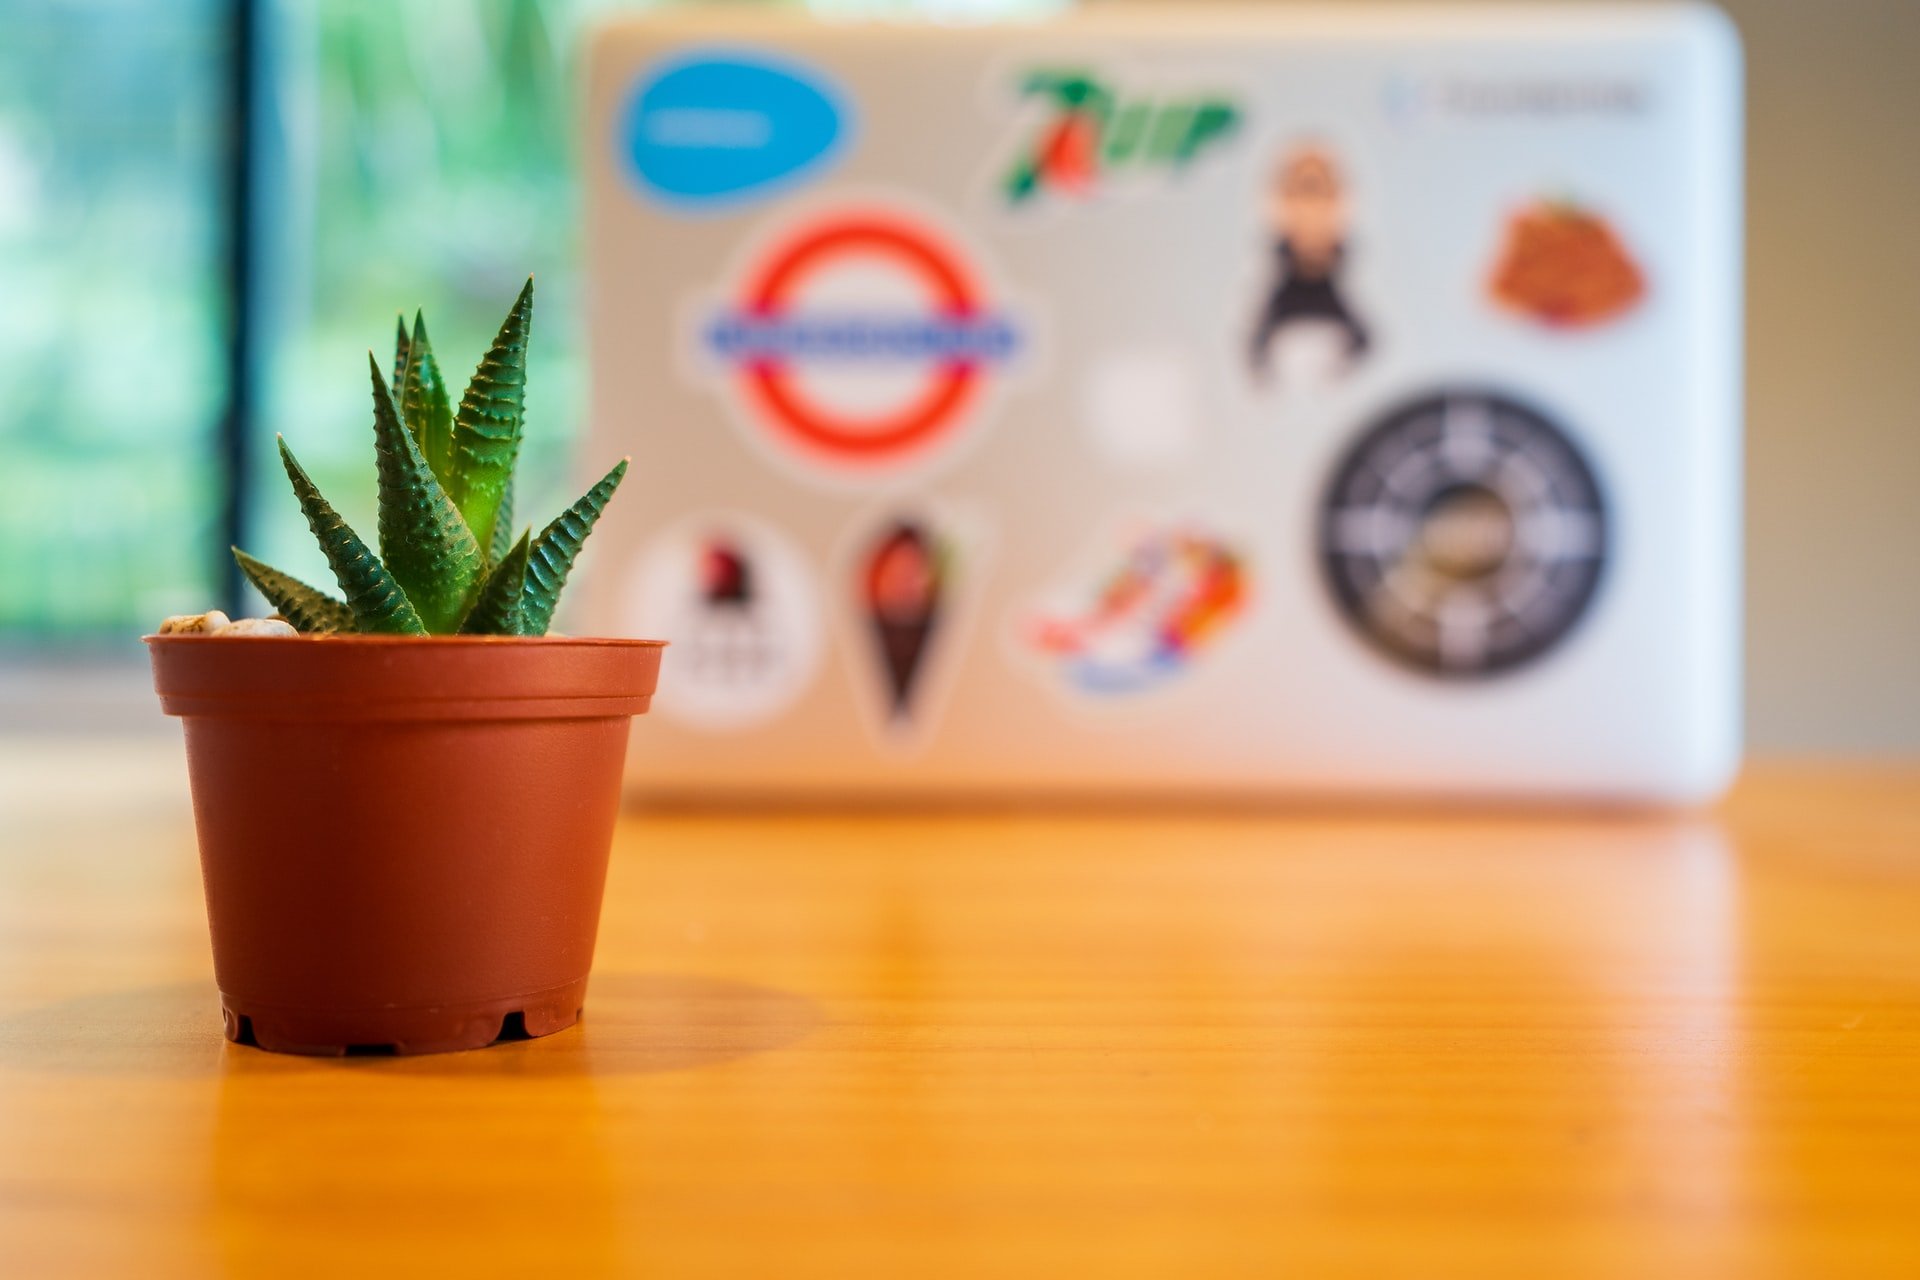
246,56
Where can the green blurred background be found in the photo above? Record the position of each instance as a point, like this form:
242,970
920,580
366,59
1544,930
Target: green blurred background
414,154
111,295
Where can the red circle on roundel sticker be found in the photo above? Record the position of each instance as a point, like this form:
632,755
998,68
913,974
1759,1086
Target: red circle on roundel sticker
955,338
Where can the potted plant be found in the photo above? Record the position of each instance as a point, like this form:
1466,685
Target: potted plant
405,795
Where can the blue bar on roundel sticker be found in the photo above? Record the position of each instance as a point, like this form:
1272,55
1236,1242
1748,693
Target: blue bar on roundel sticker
721,127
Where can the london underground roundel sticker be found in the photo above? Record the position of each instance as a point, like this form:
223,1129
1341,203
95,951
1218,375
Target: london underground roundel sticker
860,341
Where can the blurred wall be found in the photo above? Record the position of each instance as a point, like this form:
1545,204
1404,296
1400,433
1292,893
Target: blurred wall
1833,373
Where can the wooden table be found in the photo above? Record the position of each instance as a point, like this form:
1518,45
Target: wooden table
1303,1044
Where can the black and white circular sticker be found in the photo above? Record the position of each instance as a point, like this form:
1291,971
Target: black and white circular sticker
1463,534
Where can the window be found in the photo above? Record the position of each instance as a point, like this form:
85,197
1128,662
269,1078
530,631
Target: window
112,313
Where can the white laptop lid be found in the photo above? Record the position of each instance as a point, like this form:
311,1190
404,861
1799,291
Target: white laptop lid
1173,400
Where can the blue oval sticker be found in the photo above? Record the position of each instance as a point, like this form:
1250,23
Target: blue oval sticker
714,128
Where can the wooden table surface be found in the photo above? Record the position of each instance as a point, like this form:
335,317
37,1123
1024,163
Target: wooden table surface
1318,1043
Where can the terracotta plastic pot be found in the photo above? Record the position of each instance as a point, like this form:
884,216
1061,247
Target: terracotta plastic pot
404,840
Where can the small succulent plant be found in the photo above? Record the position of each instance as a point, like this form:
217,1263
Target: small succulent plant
448,561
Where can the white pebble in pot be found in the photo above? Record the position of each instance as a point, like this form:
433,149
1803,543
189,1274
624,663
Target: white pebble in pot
189,624
258,627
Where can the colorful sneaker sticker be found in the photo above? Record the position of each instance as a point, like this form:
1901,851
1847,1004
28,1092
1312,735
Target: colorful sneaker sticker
1564,267
1307,331
859,341
1091,132
722,127
738,603
1176,591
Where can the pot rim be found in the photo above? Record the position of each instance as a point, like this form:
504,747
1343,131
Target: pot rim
413,678
411,641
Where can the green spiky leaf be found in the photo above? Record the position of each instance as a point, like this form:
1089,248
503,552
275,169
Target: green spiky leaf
377,602
502,527
486,428
559,543
423,541
497,611
400,345
424,405
309,609
447,557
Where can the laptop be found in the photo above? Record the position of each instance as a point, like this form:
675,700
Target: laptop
1173,402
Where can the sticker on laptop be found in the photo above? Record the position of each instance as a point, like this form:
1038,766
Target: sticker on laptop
858,342
713,129
1140,406
1563,266
1084,134
1307,333
909,574
1160,604
904,594
736,599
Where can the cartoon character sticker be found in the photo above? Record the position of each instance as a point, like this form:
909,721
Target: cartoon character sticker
738,603
1564,267
1176,591
904,580
1093,131
1306,330
858,341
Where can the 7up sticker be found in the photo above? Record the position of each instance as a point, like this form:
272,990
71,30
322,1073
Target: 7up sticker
1090,134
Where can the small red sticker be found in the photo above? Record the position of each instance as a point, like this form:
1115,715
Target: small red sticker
1565,267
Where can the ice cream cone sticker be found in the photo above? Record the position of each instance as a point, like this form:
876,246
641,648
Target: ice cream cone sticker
903,583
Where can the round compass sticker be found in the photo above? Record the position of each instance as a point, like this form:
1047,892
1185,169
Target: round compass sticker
1463,534
860,340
